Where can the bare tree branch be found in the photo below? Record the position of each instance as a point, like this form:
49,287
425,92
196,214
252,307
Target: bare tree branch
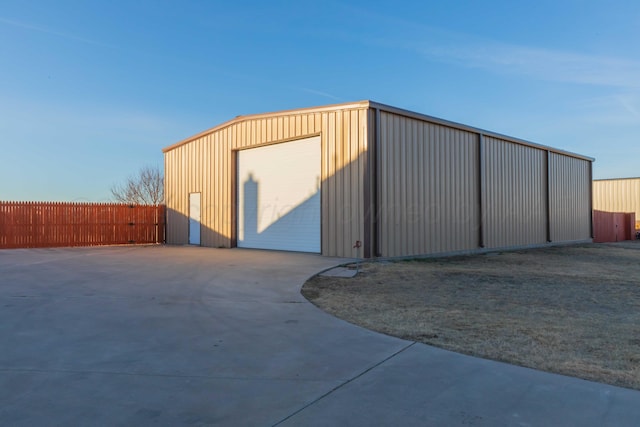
145,188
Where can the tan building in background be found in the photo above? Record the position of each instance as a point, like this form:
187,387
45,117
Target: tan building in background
617,195
400,183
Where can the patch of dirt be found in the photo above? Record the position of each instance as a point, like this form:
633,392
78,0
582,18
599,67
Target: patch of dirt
573,310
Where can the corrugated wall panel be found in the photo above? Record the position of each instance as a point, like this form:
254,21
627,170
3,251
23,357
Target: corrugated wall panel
206,165
207,238
569,186
328,189
369,202
617,195
426,188
515,200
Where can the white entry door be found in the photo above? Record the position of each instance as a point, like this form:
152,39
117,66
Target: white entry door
279,196
194,218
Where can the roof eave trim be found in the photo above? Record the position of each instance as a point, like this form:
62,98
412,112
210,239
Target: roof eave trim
381,107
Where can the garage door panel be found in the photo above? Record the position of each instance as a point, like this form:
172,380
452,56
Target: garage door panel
279,196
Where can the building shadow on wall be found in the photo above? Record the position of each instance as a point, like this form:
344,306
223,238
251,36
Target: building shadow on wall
269,225
282,224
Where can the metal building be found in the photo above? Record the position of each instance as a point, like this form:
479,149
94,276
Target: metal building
400,183
617,195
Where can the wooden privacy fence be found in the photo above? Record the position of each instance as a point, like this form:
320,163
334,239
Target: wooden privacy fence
613,226
42,225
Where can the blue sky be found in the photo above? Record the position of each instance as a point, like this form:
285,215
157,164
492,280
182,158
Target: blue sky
91,91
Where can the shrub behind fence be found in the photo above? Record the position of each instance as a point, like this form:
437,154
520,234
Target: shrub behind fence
41,224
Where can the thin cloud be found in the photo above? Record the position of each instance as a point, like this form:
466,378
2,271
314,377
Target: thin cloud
317,92
630,104
474,51
543,64
36,28
622,109
92,121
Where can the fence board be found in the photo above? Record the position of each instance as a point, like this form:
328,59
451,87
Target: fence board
51,224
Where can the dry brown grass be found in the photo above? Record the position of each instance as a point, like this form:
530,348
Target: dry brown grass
573,310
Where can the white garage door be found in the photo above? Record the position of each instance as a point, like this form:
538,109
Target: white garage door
279,196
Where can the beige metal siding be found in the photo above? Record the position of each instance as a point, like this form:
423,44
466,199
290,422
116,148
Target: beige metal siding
570,182
617,195
515,194
427,182
205,165
344,146
177,232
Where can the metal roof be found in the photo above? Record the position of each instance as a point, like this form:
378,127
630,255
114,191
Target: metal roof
380,107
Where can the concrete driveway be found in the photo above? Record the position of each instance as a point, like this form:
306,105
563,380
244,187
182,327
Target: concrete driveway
195,336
